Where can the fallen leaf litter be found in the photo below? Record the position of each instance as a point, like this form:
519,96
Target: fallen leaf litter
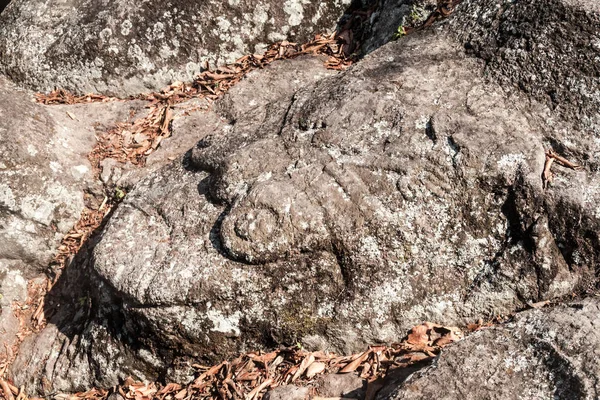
250,375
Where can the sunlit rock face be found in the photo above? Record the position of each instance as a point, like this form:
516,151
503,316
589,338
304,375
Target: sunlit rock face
338,211
124,48
44,172
547,49
550,353
46,182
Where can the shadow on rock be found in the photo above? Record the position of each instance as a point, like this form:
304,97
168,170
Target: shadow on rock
3,4
78,346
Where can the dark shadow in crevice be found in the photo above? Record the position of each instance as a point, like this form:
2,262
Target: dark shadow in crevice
369,24
396,377
89,313
516,232
215,237
576,236
567,385
3,4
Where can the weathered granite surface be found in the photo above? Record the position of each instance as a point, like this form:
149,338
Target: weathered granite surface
542,354
44,170
45,182
339,211
548,49
125,48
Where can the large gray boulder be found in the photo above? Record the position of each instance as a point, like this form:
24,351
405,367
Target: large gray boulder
338,211
44,170
43,174
46,181
125,48
75,324
543,354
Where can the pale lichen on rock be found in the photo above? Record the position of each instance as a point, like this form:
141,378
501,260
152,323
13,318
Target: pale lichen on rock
89,46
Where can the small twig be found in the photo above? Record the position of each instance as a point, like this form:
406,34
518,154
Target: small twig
6,390
547,175
551,156
563,161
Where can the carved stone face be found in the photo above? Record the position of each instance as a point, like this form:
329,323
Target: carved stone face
402,190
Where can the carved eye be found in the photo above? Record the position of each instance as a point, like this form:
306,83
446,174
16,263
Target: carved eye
254,235
256,225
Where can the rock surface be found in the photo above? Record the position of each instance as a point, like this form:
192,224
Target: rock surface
288,392
80,323
122,48
44,171
548,49
14,294
46,181
338,211
543,354
348,386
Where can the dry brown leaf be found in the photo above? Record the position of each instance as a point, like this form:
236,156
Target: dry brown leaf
6,390
276,362
352,366
418,335
539,304
213,370
306,362
265,358
170,387
258,389
314,369
248,376
366,370
415,357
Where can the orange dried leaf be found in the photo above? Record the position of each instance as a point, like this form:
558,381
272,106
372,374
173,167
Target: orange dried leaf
170,387
265,358
418,335
352,366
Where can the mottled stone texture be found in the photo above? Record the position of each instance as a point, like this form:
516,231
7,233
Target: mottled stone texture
542,354
80,336
43,170
44,177
338,211
125,48
549,49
